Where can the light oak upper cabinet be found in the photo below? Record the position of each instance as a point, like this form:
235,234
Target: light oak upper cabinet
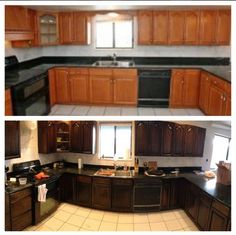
160,27
145,27
101,86
82,29
223,30
191,28
207,27
176,27
48,28
125,86
78,85
66,27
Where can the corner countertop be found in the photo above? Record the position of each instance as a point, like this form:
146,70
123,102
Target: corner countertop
14,77
219,192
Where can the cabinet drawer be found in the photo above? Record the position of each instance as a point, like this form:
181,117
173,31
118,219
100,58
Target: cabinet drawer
84,179
82,71
19,195
220,207
100,72
125,72
218,82
22,221
21,206
101,181
122,182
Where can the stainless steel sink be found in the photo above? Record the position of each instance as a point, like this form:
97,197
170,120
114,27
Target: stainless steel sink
113,173
122,173
111,63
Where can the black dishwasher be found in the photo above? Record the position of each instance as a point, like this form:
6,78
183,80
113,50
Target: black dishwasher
154,87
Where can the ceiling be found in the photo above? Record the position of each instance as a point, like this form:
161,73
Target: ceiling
115,7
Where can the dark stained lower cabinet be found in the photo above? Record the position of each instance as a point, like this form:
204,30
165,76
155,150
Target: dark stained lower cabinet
122,194
165,196
20,210
219,217
101,193
12,139
84,189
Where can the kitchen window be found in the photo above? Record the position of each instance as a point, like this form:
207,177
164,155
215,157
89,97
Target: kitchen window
115,141
114,33
221,150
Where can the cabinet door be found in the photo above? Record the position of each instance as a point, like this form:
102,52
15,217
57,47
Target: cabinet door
62,86
122,195
160,27
178,146
227,106
189,140
46,137
141,138
81,28
176,88
101,87
16,18
155,135
8,103
78,85
125,86
65,27
223,28
207,27
76,136
218,221
145,27
199,142
12,139
176,28
167,138
191,28
204,211
204,92
191,88
216,101
88,137
165,196
84,184
174,187
101,196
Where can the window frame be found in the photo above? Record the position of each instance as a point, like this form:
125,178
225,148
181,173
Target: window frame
113,36
114,158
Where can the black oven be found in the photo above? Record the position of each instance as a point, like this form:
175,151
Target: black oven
32,97
43,209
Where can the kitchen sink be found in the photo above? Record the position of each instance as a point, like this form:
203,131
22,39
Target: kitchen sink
113,173
111,63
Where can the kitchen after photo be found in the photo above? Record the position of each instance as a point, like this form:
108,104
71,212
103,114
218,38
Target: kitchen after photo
118,175
118,60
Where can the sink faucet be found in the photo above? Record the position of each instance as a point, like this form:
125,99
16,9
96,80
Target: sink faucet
114,57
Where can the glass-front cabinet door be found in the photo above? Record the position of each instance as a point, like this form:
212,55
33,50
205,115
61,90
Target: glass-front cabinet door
48,29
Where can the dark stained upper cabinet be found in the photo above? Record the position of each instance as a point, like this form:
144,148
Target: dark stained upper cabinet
82,133
141,138
12,139
155,129
46,137
167,138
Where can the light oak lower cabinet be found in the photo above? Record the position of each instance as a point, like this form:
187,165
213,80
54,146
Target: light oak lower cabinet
125,86
184,90
8,103
101,86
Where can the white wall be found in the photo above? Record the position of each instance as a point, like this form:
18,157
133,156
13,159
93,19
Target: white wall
152,51
29,149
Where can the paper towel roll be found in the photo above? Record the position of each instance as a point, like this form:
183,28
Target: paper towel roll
80,164
127,154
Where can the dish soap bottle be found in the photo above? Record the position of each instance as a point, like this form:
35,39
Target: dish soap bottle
136,162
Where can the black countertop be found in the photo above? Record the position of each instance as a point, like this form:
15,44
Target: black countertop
219,192
26,70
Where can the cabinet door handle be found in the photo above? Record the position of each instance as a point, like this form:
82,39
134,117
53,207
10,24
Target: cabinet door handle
189,129
169,126
76,124
140,124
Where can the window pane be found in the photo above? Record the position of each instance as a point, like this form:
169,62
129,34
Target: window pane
123,140
104,34
123,34
107,141
220,148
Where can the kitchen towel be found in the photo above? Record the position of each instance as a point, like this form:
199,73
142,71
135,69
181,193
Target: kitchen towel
42,193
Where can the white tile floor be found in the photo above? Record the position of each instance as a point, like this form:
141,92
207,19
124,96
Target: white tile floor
80,110
75,218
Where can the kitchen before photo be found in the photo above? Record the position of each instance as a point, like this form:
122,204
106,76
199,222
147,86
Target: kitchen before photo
118,60
118,175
